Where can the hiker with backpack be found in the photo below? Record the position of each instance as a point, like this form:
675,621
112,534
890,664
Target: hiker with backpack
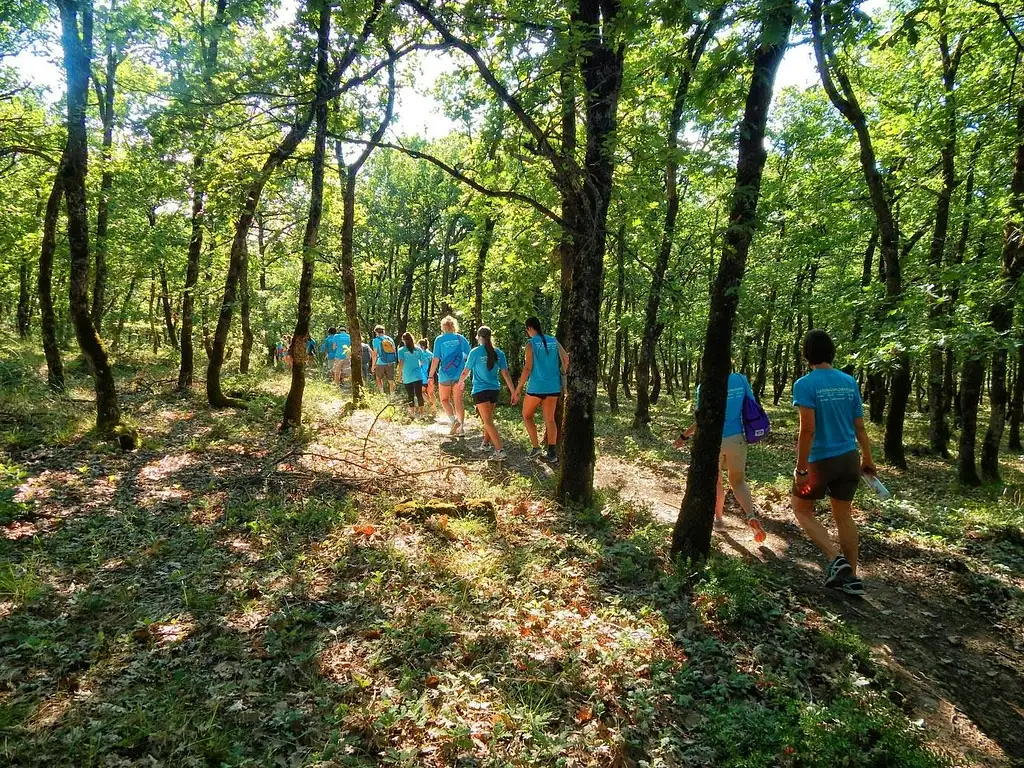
385,356
485,362
733,456
546,362
827,461
450,352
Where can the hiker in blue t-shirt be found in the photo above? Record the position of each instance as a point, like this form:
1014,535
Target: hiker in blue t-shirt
385,357
450,352
410,374
732,458
546,363
429,390
827,462
484,363
342,345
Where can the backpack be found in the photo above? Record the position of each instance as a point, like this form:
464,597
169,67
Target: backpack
387,348
452,357
756,424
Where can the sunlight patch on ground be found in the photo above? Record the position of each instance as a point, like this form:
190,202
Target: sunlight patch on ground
20,529
160,469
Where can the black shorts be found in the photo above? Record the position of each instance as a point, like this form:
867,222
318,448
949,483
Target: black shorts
544,396
835,477
485,396
414,393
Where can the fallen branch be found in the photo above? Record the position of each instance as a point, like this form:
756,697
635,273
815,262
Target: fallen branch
370,431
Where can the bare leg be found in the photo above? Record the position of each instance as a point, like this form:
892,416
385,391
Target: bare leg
460,402
486,411
804,511
529,408
446,401
548,406
842,513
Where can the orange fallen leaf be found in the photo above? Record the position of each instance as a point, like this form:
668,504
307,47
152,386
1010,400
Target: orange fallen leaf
365,530
584,715
432,681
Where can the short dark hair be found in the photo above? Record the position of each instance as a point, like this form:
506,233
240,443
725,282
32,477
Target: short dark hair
331,331
819,347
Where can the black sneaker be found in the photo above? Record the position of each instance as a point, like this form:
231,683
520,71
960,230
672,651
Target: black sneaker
536,453
838,571
550,458
853,586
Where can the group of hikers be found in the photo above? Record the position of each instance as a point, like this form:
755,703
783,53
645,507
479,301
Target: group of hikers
441,371
828,462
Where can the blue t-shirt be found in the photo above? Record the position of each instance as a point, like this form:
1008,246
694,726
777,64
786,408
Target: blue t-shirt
546,374
411,364
835,398
738,387
329,347
484,378
344,342
425,357
451,350
386,350
311,346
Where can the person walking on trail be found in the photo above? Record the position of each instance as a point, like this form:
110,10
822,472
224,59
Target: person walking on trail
827,461
342,356
384,358
484,363
546,361
429,388
410,373
450,351
732,458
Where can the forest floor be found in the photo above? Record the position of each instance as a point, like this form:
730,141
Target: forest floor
371,592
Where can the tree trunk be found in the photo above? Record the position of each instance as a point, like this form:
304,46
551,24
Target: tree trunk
694,51
195,252
292,416
620,290
24,314
165,302
1001,313
486,236
600,63
116,342
48,323
1017,403
761,380
970,394
691,537
245,310
77,54
106,179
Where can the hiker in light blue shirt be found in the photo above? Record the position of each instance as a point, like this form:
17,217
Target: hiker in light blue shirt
732,458
484,364
409,373
450,352
546,362
429,390
827,462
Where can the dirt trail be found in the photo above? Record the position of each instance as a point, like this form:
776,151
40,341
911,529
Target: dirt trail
956,672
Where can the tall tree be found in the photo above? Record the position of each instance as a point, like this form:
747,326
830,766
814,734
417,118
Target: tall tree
293,403
685,70
76,39
209,43
349,175
48,322
691,537
824,23
214,392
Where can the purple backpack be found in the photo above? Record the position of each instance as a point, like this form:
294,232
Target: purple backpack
756,425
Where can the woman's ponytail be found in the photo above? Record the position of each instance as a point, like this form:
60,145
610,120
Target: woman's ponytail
484,333
534,323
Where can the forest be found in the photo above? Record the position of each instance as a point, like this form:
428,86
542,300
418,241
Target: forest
226,542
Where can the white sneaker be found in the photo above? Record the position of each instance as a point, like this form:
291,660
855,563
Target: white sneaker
456,426
499,455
